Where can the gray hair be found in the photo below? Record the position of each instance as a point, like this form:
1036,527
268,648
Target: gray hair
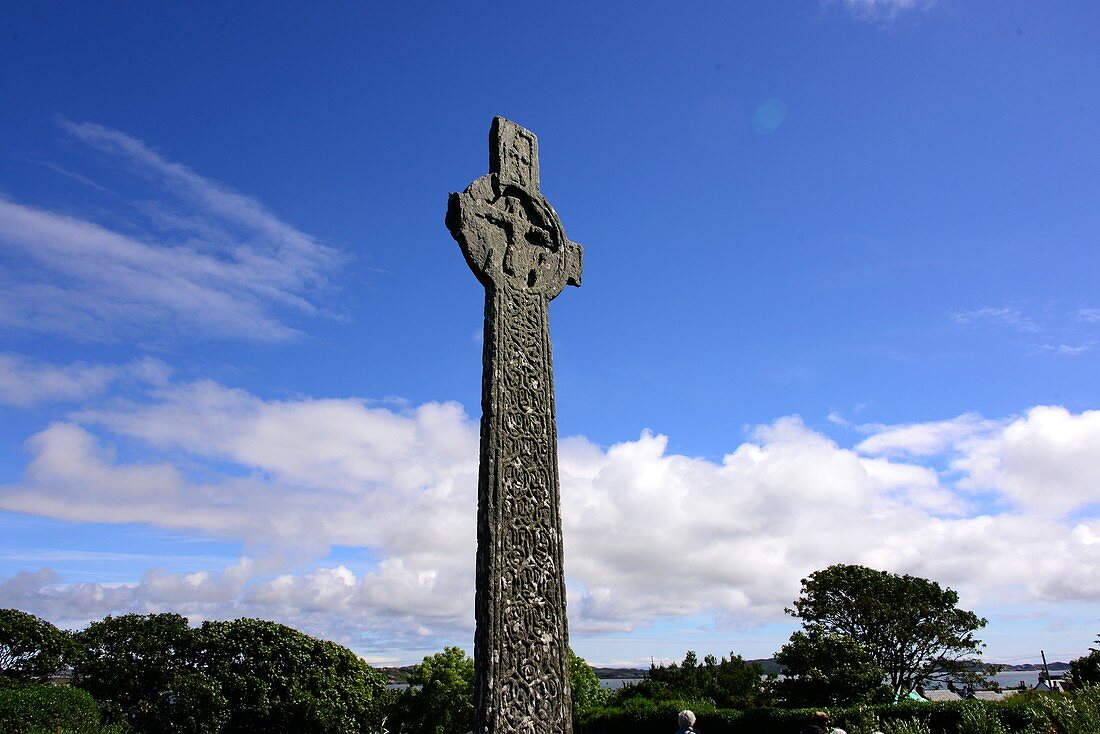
686,719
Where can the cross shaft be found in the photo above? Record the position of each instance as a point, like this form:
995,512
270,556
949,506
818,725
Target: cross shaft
514,243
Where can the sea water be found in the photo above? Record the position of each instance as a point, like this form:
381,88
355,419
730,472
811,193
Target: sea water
1006,679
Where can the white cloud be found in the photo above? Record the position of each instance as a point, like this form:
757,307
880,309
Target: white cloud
338,444
204,261
883,10
922,439
74,605
305,475
1071,350
655,534
1045,461
25,381
1005,316
74,477
391,611
1042,462
650,535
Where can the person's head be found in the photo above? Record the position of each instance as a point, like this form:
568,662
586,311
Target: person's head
820,718
686,719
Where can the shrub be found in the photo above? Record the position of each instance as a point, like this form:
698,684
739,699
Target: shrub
1026,713
1074,713
907,726
280,681
646,715
37,708
440,696
588,696
979,719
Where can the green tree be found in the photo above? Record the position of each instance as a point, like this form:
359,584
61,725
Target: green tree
281,681
31,649
726,683
440,696
828,670
141,669
910,627
1085,670
585,687
194,704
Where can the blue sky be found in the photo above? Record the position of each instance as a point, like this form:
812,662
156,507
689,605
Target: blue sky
839,305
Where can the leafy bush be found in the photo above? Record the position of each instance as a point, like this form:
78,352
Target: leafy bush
277,679
824,669
1085,670
979,719
440,696
1074,713
907,726
1026,713
635,715
37,709
588,696
159,676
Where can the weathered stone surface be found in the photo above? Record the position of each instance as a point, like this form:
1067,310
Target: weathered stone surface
514,242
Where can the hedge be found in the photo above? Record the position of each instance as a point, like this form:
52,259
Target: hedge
1074,713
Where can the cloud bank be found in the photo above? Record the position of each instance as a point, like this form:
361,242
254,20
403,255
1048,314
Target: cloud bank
650,535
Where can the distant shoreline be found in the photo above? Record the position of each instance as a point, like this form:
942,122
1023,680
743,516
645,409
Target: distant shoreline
398,675
770,666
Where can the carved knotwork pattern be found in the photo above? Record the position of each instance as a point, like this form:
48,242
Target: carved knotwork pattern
529,602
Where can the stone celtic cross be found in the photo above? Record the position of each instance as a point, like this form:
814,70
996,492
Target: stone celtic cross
514,242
